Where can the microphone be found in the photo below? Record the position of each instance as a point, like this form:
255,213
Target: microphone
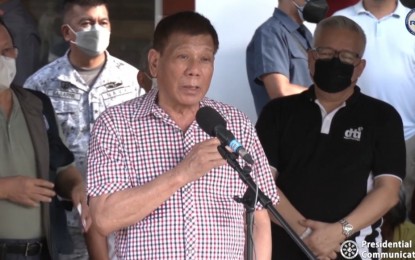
214,125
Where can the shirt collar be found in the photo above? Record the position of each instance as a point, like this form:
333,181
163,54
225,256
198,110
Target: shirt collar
148,105
399,10
311,95
69,74
285,20
16,104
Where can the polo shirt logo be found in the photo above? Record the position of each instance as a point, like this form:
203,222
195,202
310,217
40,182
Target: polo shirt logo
353,134
410,21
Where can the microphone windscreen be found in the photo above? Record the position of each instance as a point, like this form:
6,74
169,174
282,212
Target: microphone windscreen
208,118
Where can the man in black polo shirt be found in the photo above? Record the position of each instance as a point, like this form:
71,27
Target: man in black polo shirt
340,155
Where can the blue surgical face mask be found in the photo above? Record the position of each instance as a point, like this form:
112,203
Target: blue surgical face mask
93,41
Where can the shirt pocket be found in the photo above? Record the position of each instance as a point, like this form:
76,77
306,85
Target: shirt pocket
298,63
297,51
67,113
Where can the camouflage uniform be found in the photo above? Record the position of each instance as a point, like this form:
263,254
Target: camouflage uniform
77,105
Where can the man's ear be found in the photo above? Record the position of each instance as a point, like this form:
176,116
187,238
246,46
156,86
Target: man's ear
360,67
153,59
66,33
311,62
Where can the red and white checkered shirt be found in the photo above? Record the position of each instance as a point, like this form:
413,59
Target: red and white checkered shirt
133,143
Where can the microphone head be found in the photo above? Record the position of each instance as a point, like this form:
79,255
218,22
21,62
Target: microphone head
208,119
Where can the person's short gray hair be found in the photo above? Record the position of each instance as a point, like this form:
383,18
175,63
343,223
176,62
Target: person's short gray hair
341,22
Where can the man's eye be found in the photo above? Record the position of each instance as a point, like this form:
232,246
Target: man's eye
206,59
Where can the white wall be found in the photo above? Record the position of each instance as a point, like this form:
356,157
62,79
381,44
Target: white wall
235,21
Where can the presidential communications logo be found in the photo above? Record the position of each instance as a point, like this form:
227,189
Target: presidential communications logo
410,21
348,249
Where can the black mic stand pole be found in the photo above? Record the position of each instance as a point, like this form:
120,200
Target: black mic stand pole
264,200
249,202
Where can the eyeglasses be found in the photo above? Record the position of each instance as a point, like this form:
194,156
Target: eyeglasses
9,52
326,53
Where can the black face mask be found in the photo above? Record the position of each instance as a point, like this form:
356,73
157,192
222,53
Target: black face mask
315,10
332,75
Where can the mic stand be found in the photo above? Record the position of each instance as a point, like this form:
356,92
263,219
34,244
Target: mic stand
249,203
244,175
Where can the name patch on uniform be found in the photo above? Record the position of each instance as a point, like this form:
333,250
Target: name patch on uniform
117,96
64,94
116,92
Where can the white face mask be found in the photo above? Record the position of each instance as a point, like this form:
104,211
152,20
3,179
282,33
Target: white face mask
7,72
94,41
